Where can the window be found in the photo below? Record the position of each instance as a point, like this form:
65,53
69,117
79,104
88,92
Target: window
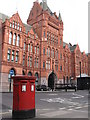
53,53
23,59
30,61
43,51
53,39
44,33
60,68
48,65
60,41
37,62
38,50
12,55
56,67
56,54
43,64
18,39
14,38
57,39
24,46
35,49
28,47
47,51
10,38
31,48
16,56
13,24
61,56
8,54
47,36
18,26
10,25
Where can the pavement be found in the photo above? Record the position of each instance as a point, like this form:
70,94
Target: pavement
56,104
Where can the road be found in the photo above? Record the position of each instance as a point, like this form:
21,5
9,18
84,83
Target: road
53,104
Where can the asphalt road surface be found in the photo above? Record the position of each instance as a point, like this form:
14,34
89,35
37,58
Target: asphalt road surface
53,104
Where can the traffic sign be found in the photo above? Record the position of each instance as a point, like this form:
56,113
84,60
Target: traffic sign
11,72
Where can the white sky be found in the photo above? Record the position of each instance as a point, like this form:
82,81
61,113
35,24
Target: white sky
74,15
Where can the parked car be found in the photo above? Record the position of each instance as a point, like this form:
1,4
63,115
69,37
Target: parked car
66,87
42,88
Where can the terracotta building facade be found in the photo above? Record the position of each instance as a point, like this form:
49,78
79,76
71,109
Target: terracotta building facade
37,49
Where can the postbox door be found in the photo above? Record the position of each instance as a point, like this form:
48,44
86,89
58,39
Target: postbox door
16,97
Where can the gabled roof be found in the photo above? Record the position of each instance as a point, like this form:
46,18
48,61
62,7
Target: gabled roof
27,27
3,17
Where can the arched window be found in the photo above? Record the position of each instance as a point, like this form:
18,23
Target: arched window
29,74
31,48
14,38
10,38
18,40
37,50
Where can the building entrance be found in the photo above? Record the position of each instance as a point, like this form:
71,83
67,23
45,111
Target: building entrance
52,79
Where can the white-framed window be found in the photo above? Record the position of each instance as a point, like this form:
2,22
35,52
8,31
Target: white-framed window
30,61
10,25
28,47
12,55
14,38
35,63
35,49
10,37
24,45
23,60
17,56
18,40
13,24
18,26
31,48
8,54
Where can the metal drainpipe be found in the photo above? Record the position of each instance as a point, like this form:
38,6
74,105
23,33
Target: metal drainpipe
80,69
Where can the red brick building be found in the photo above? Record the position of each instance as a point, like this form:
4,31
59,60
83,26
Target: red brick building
37,48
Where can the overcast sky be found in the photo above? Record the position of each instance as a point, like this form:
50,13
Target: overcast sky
74,15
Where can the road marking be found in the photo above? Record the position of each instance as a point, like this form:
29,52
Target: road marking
77,96
70,109
52,94
62,108
54,113
5,113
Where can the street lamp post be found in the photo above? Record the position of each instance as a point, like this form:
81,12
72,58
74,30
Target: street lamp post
80,69
10,85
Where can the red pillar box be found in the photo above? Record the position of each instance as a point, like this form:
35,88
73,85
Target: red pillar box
23,97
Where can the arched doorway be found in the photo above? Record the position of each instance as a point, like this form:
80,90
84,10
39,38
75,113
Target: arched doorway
29,74
23,73
37,77
52,79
